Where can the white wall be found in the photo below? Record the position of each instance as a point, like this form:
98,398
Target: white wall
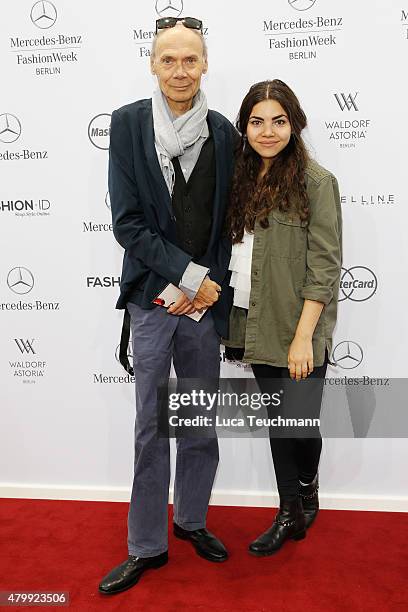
65,435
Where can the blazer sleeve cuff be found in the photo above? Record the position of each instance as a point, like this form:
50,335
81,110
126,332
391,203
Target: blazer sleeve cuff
192,278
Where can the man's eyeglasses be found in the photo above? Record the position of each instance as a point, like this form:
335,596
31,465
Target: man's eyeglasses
170,22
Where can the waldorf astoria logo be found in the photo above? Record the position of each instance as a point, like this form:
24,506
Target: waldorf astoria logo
347,129
42,48
304,37
25,366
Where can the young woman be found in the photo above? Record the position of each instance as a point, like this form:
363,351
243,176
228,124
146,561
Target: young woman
285,225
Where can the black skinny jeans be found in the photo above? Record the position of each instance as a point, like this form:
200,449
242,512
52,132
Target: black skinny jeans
294,459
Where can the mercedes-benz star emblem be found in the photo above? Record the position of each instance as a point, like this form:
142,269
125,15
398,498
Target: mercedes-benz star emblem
107,200
347,355
10,128
301,5
129,353
169,8
20,280
43,14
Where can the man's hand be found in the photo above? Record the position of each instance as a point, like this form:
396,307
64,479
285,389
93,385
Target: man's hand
208,293
181,306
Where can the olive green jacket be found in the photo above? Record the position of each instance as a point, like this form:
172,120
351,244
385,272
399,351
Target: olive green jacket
293,260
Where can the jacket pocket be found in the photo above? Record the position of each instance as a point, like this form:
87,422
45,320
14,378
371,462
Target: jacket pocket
287,235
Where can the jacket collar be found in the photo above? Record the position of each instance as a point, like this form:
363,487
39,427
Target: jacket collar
147,131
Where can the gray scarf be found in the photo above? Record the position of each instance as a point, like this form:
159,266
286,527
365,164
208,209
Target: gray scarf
173,137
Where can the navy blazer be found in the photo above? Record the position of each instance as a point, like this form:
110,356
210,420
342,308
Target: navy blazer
142,214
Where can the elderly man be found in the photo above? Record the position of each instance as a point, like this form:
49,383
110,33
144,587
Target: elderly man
170,167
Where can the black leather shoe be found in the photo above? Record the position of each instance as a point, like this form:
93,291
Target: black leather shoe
309,495
128,573
205,543
289,523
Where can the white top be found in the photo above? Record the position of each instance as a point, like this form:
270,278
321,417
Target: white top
240,265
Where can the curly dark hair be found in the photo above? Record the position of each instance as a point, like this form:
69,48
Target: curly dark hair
283,187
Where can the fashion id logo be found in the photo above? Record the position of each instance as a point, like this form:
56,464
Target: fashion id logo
305,37
26,207
47,53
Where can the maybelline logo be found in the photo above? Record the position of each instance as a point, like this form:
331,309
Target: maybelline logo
27,369
116,379
347,355
26,208
10,132
99,131
357,284
369,199
48,52
404,22
347,132
303,37
102,281
143,37
20,281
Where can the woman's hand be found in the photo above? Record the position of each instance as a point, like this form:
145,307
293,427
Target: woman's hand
300,357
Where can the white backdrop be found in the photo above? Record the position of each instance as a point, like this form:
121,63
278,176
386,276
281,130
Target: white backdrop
66,415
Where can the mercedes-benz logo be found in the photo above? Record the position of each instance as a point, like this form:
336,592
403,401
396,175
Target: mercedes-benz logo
107,200
357,284
43,14
20,280
129,353
347,355
10,128
169,8
301,5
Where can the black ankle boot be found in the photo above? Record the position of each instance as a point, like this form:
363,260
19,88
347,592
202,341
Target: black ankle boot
310,501
289,523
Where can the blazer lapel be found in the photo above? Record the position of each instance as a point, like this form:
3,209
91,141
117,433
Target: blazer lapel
220,188
153,165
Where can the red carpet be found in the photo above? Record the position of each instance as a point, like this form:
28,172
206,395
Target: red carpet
349,561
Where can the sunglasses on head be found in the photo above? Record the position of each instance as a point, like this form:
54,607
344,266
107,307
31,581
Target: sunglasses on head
170,22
